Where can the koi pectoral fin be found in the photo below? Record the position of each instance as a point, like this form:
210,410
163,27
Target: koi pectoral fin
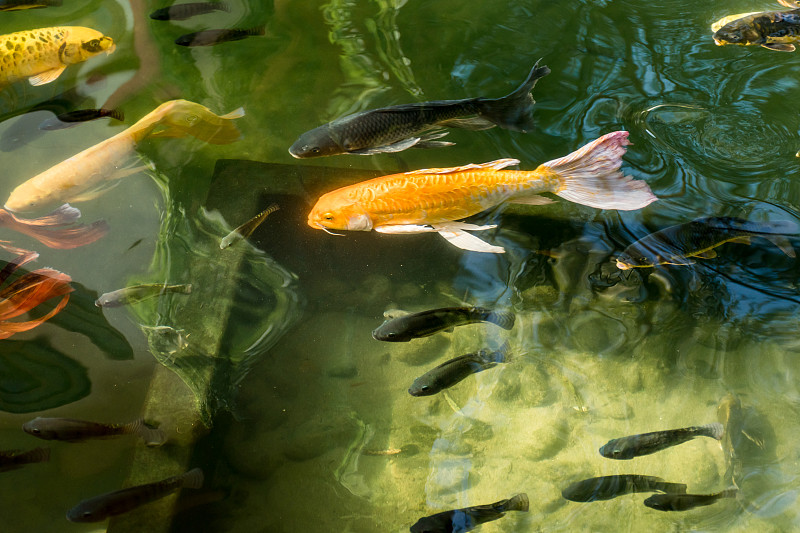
780,47
454,233
404,228
46,77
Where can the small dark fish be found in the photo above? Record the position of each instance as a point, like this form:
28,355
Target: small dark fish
13,459
14,5
121,501
463,520
676,245
401,326
185,11
647,443
71,430
137,293
608,487
396,128
247,229
774,30
451,372
684,502
71,118
212,37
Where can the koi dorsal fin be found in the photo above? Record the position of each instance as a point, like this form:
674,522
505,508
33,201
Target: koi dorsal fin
491,165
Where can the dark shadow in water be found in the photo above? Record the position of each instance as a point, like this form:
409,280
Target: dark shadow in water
35,376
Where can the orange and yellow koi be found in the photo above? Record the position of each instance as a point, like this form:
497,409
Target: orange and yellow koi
433,200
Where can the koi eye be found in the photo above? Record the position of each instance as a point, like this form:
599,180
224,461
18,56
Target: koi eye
87,514
92,46
327,217
425,388
36,431
315,150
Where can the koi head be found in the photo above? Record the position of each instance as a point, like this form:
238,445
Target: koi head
82,43
334,212
633,258
741,32
316,143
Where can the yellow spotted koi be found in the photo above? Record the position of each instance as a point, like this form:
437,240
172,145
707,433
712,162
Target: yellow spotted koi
41,55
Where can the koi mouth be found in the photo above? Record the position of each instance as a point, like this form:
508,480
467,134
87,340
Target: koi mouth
623,266
719,43
326,230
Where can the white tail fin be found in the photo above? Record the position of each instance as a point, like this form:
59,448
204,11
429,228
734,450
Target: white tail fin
590,176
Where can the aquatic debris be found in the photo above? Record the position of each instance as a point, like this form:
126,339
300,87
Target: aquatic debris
685,502
93,171
137,293
466,519
27,292
397,128
247,229
58,48
57,229
212,37
677,245
402,326
647,443
455,370
188,10
72,430
122,501
14,459
608,487
433,200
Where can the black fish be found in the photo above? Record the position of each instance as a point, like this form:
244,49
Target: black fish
69,119
451,372
211,37
647,443
608,487
185,11
684,502
71,430
396,128
402,327
463,520
676,245
14,5
121,501
13,459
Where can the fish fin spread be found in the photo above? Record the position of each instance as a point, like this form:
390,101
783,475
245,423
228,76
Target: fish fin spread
590,176
434,144
514,111
472,123
104,186
399,146
789,3
780,47
190,118
533,199
454,233
783,243
678,261
403,228
519,502
491,165
714,430
116,114
758,441
236,113
193,479
46,77
708,254
151,436
743,239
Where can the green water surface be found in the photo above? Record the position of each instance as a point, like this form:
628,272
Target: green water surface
312,427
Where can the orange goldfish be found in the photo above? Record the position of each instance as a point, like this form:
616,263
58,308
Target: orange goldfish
41,55
28,291
434,199
84,175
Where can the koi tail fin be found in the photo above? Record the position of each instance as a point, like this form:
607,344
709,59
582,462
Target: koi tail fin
57,229
519,502
500,355
189,118
590,176
514,111
193,479
151,436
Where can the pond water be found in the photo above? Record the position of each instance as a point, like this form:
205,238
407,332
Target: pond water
303,420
